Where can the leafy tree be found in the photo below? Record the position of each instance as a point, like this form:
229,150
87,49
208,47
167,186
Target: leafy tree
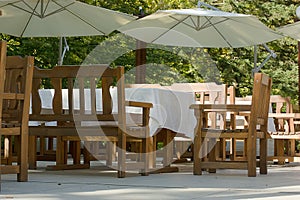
235,65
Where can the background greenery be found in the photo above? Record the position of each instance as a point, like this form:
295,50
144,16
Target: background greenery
235,65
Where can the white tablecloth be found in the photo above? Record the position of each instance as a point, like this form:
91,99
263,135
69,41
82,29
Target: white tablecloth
170,108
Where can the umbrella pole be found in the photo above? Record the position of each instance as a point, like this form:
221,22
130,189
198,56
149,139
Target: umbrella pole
200,3
271,54
61,51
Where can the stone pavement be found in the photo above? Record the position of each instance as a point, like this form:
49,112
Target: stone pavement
282,182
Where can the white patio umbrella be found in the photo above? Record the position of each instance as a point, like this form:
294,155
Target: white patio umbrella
200,28
54,18
58,18
291,30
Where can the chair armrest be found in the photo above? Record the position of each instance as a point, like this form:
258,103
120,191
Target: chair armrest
139,104
283,115
221,107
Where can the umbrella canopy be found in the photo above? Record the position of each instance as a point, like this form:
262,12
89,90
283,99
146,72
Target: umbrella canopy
291,30
53,18
200,28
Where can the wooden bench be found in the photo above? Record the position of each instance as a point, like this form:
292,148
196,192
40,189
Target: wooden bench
82,121
15,87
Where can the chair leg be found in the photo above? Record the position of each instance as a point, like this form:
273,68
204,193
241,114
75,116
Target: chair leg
279,151
168,149
76,151
111,152
251,156
145,152
263,156
32,152
292,147
86,153
152,151
212,153
121,154
234,149
23,157
197,159
60,151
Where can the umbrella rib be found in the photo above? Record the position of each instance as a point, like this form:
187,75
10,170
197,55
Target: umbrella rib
207,24
235,21
43,11
178,22
32,10
196,26
62,7
213,25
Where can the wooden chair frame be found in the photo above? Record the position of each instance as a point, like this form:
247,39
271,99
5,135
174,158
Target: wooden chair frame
258,117
15,88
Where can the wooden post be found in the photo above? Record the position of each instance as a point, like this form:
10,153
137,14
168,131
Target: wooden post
140,58
140,61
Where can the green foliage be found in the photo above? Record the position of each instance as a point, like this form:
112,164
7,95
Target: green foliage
169,64
236,64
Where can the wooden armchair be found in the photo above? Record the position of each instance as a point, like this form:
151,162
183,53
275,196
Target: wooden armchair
257,129
15,87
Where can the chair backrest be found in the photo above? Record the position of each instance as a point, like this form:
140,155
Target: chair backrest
231,95
80,85
142,85
204,92
18,80
16,77
260,102
279,105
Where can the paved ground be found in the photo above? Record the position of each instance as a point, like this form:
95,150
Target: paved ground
282,182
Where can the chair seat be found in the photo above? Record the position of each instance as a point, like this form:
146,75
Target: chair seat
237,133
